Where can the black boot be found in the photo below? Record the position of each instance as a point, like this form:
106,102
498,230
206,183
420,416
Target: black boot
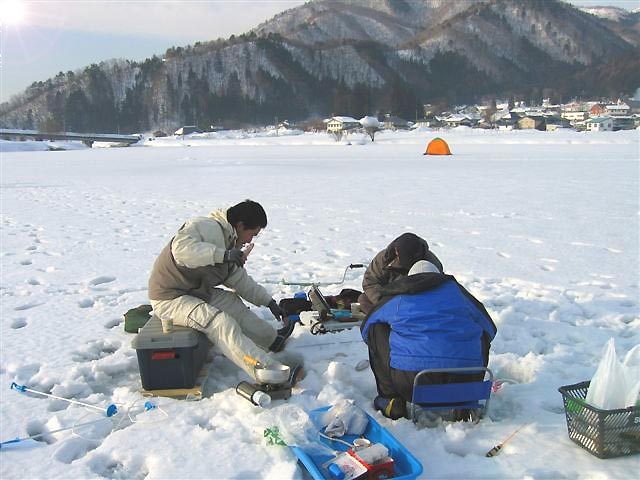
283,333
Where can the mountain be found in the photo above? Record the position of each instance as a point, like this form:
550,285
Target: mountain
353,57
623,22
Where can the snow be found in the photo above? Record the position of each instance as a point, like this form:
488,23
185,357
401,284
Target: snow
609,13
369,122
542,227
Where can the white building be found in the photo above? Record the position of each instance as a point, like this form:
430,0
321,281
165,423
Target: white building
575,116
187,130
340,124
600,124
618,109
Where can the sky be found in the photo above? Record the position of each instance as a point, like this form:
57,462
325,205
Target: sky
39,38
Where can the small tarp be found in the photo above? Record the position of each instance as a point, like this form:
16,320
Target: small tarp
437,146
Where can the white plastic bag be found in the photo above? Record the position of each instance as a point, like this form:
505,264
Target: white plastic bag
631,366
345,417
615,384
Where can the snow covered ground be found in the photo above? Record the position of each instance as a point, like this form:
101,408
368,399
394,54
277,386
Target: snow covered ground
542,227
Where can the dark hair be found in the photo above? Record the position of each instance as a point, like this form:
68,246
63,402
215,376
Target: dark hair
411,248
250,213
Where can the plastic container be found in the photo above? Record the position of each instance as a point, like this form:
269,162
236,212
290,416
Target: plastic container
373,453
169,360
405,465
603,433
346,467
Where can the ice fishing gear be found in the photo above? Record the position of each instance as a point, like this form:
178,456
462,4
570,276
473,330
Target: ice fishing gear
272,384
499,383
309,284
147,407
42,434
110,411
316,457
496,450
331,319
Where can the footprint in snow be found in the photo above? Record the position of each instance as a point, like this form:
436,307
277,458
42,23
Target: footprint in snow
57,405
627,319
36,427
114,322
86,303
503,255
75,448
547,268
28,306
109,467
101,280
553,407
581,244
95,350
19,323
26,262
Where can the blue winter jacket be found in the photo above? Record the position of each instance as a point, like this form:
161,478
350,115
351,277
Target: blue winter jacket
435,323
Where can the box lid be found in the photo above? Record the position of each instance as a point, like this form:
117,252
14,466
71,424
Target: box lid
151,336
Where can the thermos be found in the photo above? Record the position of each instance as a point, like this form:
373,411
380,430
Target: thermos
253,394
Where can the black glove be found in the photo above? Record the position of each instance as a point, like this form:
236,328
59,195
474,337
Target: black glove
276,310
234,255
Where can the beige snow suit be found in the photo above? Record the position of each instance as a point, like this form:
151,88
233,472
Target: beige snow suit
182,287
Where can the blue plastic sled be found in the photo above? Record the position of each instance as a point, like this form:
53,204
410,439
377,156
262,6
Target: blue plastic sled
406,466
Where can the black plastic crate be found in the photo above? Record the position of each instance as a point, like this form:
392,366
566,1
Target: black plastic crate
169,360
604,433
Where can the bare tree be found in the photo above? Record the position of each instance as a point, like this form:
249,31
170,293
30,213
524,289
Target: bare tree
371,125
371,131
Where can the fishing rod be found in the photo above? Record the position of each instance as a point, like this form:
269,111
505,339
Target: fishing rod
30,437
317,284
312,345
148,406
496,450
110,411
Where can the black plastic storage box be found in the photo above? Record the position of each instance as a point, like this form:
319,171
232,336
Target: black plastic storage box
169,360
604,433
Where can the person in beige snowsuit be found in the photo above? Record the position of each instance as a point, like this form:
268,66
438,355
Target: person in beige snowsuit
204,254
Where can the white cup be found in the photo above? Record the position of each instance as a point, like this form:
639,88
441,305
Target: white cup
167,325
355,308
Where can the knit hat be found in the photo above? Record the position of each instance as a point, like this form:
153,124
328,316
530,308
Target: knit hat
423,266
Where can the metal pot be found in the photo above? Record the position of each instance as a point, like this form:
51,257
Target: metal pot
272,375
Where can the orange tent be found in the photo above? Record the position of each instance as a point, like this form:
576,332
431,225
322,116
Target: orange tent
437,146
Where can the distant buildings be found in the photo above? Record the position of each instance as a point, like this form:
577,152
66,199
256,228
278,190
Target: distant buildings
599,124
341,124
589,116
187,129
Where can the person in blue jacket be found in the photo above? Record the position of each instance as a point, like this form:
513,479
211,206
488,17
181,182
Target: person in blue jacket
423,321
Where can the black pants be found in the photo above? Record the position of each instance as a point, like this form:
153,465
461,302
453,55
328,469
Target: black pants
393,383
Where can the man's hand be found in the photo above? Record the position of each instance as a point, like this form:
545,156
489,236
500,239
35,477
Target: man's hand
276,310
234,255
